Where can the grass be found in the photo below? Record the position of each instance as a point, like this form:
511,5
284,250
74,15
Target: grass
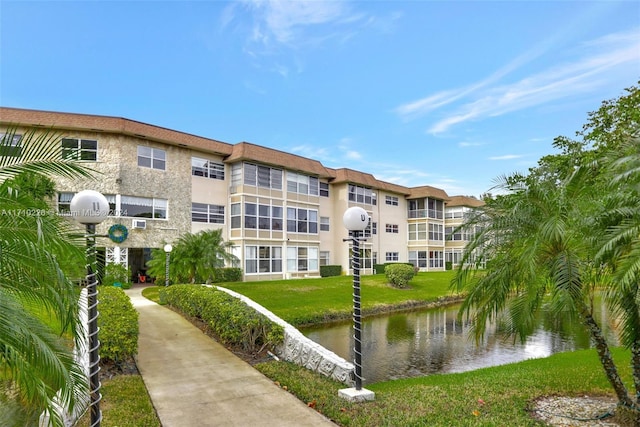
125,403
311,301
497,396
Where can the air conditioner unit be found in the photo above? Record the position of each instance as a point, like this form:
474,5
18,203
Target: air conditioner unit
139,223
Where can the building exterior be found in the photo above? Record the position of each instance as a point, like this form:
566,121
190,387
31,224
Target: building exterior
282,212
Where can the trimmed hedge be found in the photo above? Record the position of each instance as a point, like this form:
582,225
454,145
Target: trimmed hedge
233,322
399,274
118,323
330,270
378,268
228,274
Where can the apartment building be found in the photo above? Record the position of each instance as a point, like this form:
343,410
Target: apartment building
282,212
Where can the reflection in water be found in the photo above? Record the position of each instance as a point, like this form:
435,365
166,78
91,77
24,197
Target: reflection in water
434,341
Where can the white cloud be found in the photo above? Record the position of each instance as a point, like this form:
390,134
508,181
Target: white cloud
507,157
353,155
596,65
286,22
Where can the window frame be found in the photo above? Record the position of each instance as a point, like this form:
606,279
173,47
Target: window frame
153,158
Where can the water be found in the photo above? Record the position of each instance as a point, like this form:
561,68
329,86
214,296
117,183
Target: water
419,343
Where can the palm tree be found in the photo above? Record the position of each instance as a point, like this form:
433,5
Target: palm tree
194,258
569,228
35,361
621,247
542,241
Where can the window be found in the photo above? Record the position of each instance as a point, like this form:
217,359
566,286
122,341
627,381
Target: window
324,223
324,258
391,200
153,158
417,209
324,189
276,218
418,231
263,259
143,207
454,213
250,215
435,232
236,215
372,228
64,203
260,176
435,208
10,145
418,258
236,174
202,212
79,149
302,258
257,216
436,259
450,235
302,220
391,256
454,256
302,184
362,195
207,168
391,228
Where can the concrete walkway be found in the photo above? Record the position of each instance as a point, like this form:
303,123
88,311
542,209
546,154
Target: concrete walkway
195,381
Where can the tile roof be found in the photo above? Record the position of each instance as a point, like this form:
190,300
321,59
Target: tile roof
428,191
269,156
471,202
233,152
107,124
366,179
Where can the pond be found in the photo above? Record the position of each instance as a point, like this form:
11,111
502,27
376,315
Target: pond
418,343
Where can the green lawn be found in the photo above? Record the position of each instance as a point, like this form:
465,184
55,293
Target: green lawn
307,301
496,396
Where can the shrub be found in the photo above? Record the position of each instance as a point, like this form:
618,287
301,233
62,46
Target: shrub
118,322
448,265
228,274
378,268
233,322
330,270
399,275
116,273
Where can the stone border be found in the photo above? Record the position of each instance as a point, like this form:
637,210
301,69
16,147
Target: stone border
302,351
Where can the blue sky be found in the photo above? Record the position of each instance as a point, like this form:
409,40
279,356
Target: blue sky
444,93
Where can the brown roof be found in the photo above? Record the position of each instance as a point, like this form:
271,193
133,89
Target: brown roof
428,191
471,202
357,177
88,122
248,151
234,152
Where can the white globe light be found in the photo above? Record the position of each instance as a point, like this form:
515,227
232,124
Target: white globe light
355,219
89,207
168,248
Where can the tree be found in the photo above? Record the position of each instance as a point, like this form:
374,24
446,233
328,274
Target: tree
36,362
567,229
194,258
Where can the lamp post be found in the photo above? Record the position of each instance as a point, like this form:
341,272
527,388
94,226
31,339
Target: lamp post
167,250
356,219
89,207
